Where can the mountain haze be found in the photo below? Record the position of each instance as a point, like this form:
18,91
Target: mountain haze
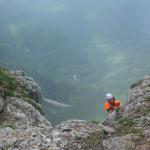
77,50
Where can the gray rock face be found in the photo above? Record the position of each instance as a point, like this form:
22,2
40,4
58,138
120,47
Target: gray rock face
26,138
77,134
128,142
138,105
23,127
29,84
109,120
134,123
70,135
23,113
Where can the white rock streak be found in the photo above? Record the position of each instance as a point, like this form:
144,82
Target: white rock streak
75,78
56,103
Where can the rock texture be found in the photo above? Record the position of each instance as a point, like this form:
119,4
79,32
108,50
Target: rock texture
28,84
77,134
23,127
133,125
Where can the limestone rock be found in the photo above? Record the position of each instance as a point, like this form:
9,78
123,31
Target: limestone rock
133,125
128,142
23,113
29,84
23,127
78,134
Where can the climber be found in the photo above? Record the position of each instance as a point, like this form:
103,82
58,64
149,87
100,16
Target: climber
112,103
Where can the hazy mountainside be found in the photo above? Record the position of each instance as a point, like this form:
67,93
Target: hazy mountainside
77,51
22,126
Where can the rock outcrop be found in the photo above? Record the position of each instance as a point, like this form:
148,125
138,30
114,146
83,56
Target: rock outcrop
77,134
23,126
28,84
133,125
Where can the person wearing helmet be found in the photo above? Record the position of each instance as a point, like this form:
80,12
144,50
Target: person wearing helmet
112,103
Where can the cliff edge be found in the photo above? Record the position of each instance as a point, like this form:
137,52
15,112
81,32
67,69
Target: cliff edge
24,127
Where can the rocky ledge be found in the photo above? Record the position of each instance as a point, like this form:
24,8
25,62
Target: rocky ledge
132,126
23,126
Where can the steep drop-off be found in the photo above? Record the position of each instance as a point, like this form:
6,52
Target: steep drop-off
24,127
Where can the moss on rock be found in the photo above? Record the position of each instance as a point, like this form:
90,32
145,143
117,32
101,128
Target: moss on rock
12,88
34,104
9,83
137,83
126,125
